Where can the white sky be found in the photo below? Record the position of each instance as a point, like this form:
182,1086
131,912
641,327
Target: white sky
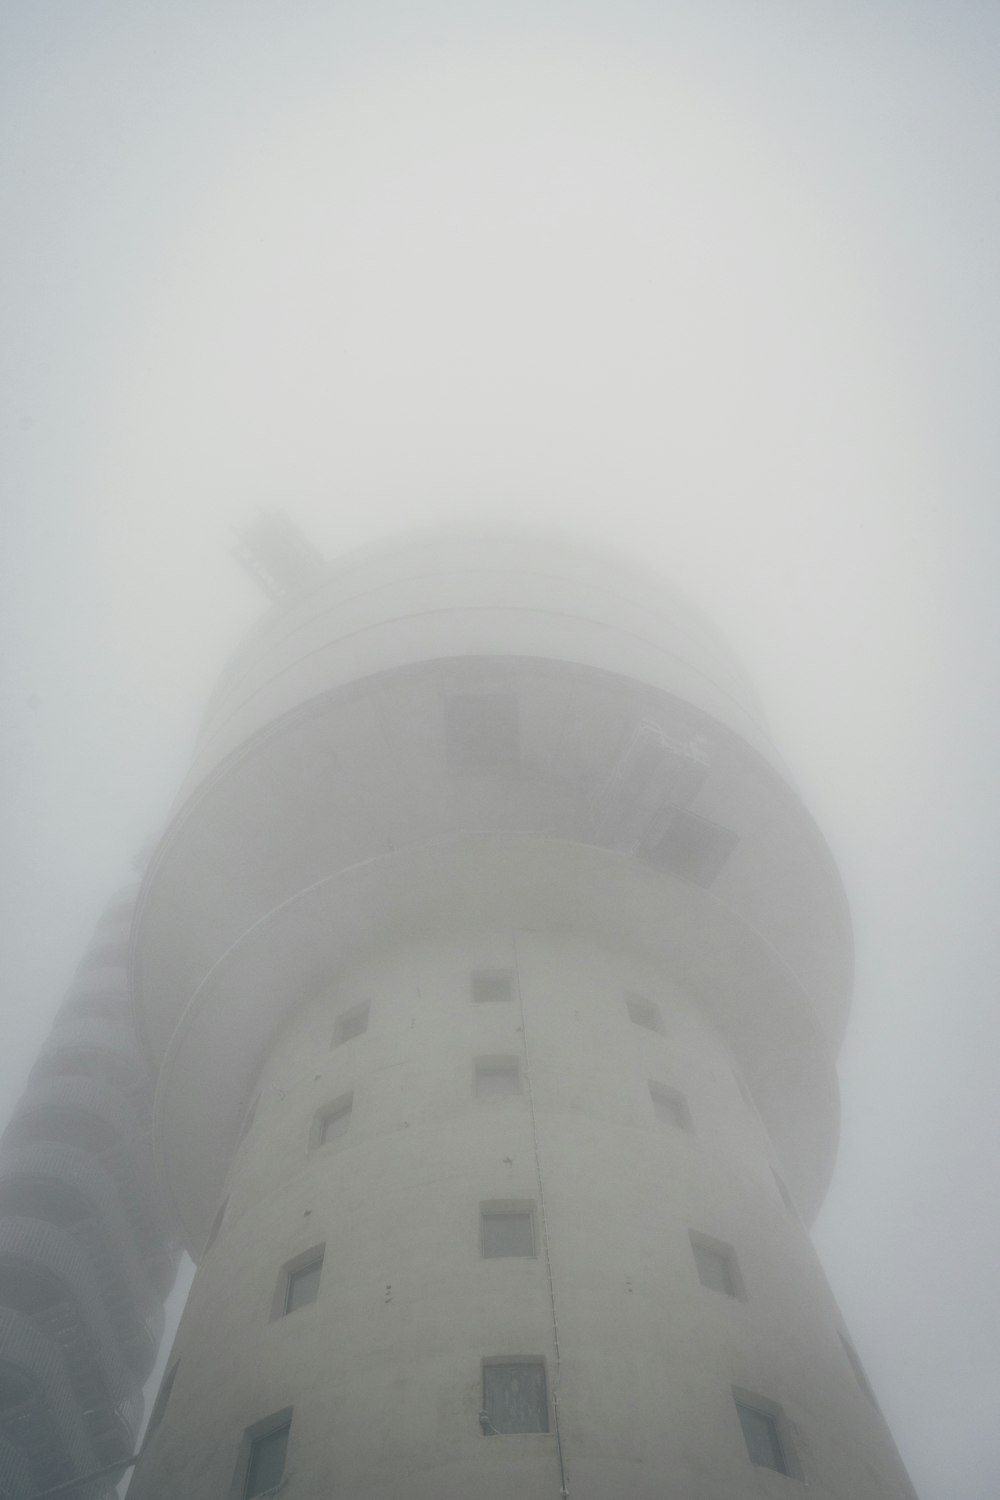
715,283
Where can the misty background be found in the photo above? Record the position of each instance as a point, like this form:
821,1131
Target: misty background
713,284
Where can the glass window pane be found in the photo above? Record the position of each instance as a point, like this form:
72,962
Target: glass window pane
714,1268
763,1444
352,1024
335,1124
643,1012
508,1234
499,1079
514,1397
668,1106
491,985
267,1462
303,1286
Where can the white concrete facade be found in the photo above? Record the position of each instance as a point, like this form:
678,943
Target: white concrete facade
495,802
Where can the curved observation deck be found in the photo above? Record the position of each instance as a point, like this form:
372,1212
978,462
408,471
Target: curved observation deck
468,728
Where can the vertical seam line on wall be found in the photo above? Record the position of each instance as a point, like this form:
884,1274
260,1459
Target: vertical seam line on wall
563,1491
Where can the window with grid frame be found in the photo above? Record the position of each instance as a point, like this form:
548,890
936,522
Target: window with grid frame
767,1434
515,1396
302,1283
760,1432
506,1229
266,1461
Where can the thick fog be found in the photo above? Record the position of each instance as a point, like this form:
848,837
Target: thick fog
715,285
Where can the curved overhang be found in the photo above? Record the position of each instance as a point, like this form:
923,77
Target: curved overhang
448,593
367,767
488,882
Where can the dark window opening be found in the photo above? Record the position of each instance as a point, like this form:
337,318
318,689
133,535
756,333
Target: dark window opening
497,1076
335,1121
763,1438
716,1265
302,1286
669,1106
352,1023
515,1397
643,1012
507,1231
492,984
266,1463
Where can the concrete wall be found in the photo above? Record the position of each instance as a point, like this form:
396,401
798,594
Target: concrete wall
383,1371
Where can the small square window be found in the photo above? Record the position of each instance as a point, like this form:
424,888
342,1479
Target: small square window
669,1106
507,1229
482,731
643,1012
334,1121
716,1264
763,1439
514,1396
352,1023
492,984
266,1461
496,1076
302,1285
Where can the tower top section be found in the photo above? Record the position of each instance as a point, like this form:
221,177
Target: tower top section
481,728
448,592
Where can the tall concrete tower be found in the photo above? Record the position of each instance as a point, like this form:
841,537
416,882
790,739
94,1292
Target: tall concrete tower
492,974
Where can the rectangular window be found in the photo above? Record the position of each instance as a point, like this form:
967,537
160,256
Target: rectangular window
716,1264
266,1462
763,1440
514,1396
496,1076
335,1120
507,1229
492,984
302,1286
352,1023
669,1106
643,1012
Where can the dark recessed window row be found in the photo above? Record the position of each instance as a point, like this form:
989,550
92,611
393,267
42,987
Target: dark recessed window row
515,1399
498,984
508,1227
495,1077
